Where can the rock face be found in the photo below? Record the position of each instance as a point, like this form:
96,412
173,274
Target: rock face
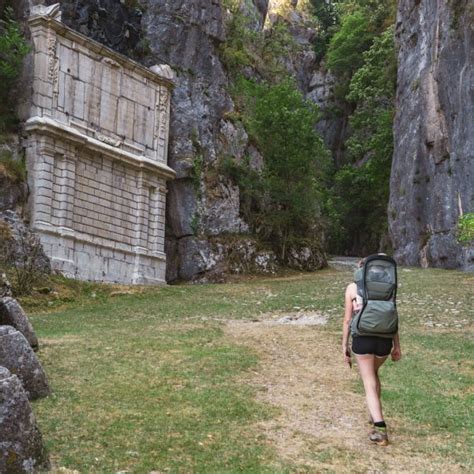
115,24
186,35
210,259
12,314
13,190
18,357
433,163
21,444
22,247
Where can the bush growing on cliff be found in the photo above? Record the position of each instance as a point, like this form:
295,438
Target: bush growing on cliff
13,49
328,17
344,55
282,202
248,48
465,230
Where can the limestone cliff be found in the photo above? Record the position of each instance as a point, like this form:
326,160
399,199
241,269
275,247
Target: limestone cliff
433,165
203,203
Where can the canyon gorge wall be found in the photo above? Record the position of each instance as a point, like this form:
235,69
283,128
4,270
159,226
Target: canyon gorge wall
433,165
431,181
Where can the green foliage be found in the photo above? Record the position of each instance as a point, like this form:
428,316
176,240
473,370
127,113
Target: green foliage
361,22
364,58
13,48
196,223
328,17
372,90
282,201
241,48
13,169
278,46
466,228
247,47
196,173
357,207
380,13
344,55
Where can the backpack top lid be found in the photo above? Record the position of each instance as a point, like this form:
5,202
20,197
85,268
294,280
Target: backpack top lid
377,279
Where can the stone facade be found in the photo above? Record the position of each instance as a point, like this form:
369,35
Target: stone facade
96,155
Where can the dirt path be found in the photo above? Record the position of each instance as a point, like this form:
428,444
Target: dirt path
322,422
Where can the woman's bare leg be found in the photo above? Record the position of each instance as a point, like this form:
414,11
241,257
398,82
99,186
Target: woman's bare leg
378,363
368,367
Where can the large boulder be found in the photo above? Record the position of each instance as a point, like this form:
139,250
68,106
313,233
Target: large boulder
18,357
21,444
12,314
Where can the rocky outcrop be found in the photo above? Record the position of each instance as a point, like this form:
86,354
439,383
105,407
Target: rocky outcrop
21,444
113,23
433,163
18,357
13,187
212,259
20,247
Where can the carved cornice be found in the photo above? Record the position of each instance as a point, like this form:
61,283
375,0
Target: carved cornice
48,126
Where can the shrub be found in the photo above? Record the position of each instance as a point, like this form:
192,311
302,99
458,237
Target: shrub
465,229
11,168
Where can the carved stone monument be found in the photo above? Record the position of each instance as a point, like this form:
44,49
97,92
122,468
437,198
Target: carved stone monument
96,156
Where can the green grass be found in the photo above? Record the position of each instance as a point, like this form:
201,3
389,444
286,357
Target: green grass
148,381
150,397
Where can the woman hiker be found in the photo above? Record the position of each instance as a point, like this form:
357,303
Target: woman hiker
371,352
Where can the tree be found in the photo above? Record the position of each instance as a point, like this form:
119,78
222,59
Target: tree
328,18
344,55
284,197
360,192
13,48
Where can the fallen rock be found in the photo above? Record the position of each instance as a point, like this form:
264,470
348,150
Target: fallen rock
12,314
21,445
18,357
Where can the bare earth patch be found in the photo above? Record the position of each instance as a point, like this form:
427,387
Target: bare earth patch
322,423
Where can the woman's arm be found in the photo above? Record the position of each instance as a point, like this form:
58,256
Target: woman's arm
347,322
396,351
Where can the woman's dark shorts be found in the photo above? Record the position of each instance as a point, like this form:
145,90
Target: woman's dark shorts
379,346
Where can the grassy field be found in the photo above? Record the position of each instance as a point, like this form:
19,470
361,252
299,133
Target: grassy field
147,379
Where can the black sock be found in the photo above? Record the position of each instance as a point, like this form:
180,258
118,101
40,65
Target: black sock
380,424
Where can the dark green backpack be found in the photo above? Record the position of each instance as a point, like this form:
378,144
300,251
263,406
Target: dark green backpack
377,285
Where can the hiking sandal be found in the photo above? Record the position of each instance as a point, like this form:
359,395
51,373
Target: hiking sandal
378,437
